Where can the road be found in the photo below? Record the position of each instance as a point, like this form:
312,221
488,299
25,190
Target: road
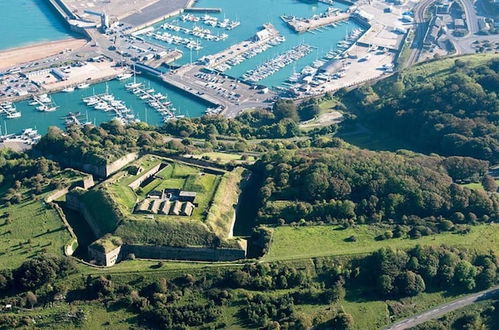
470,14
464,45
443,309
420,31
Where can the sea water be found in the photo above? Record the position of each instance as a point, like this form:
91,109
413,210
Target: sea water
25,22
252,15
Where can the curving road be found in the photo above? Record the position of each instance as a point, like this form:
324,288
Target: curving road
443,309
419,32
470,14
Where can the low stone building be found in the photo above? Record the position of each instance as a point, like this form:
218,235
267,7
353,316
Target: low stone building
105,251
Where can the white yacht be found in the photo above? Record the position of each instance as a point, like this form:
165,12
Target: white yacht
83,86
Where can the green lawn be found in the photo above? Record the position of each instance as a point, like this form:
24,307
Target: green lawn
314,241
477,185
35,228
376,140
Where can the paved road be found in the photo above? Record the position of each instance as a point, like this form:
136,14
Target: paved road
420,30
443,309
471,17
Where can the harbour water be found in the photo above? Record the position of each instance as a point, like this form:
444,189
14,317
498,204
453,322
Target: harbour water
252,15
72,102
26,22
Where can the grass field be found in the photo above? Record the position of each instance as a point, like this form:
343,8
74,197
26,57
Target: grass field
35,228
441,68
477,185
224,157
315,241
96,316
374,140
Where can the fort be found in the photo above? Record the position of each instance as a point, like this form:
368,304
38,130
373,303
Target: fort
157,207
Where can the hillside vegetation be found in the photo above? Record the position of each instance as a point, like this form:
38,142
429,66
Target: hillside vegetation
351,186
448,106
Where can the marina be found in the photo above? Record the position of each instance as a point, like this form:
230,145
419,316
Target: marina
277,63
224,61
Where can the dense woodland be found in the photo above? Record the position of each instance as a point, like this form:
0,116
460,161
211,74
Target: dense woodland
452,114
359,186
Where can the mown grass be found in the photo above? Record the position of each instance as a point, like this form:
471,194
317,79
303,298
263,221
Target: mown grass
315,241
375,314
35,228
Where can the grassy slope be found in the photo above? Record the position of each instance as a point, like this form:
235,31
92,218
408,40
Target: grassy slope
221,212
441,67
101,209
305,242
225,157
477,185
33,221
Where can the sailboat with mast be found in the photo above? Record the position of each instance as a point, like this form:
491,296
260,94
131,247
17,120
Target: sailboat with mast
134,84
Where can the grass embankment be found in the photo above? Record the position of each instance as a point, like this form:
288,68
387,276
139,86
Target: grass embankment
221,215
104,214
316,241
89,315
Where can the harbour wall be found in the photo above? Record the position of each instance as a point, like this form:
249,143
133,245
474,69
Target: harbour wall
156,20
69,17
203,10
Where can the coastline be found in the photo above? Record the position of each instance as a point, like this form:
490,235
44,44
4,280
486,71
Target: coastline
32,52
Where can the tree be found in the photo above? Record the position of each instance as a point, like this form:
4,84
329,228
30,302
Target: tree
31,299
410,283
385,285
488,275
489,184
285,109
469,322
343,321
464,275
